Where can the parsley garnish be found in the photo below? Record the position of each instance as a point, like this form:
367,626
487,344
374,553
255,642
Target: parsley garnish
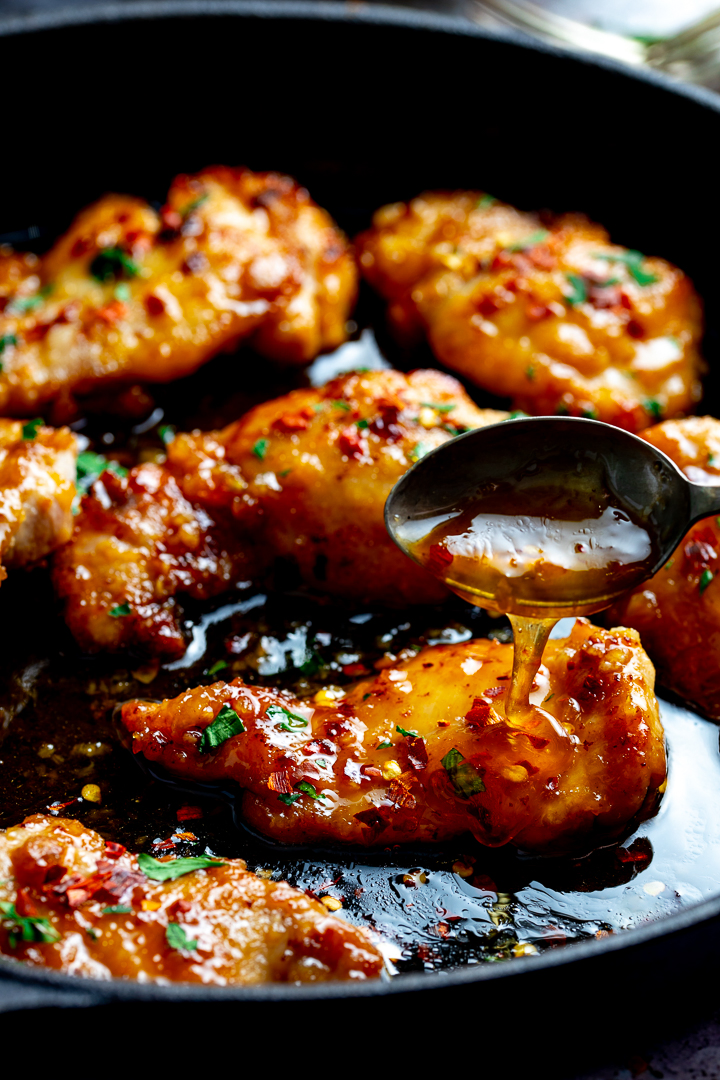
30,429
90,465
20,304
384,745
260,448
530,373
362,424
633,261
121,292
464,776
177,938
120,610
111,263
5,340
312,663
340,405
705,579
418,451
404,731
485,201
438,408
590,414
189,207
166,433
117,909
514,415
219,665
308,789
290,721
169,871
226,724
289,799
579,293
530,241
27,927
654,408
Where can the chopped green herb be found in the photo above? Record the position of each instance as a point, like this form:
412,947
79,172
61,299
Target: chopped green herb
633,260
169,871
312,663
90,465
362,425
219,665
117,909
705,579
5,340
654,408
321,762
590,414
530,241
485,201
579,293
226,724
711,459
290,721
111,263
340,405
418,451
404,731
530,373
260,448
177,938
308,789
289,799
20,304
548,698
366,696
516,414
189,207
120,610
438,408
464,776
30,429
669,563
285,472
121,292
384,745
92,933
166,433
27,927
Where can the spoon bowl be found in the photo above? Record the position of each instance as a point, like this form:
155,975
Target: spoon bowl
544,516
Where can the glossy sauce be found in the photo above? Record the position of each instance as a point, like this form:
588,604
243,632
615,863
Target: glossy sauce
547,543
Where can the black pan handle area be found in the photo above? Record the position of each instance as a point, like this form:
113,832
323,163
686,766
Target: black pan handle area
17,995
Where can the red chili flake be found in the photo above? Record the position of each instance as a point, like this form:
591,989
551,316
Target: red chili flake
113,850
351,443
536,312
373,818
163,845
24,905
180,907
294,421
386,423
81,245
401,797
541,257
280,782
638,852
189,813
170,219
417,752
532,769
112,312
154,304
371,771
424,952
442,929
488,306
438,559
537,741
353,670
480,715
634,329
699,551
56,807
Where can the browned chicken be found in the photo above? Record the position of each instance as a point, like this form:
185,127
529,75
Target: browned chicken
677,612
303,478
130,295
72,902
554,317
424,753
37,488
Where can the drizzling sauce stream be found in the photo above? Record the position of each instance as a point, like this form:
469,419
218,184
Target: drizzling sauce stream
545,544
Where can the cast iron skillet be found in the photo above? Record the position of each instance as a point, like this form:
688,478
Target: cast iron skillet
366,105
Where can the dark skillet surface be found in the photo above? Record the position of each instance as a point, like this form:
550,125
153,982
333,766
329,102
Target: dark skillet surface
369,115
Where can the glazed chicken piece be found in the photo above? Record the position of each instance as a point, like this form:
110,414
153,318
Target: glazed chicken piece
72,902
677,612
130,295
37,488
556,318
303,478
423,753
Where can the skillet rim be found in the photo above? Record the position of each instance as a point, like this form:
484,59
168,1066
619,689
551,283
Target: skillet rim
62,988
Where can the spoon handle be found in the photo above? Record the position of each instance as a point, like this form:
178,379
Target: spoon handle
704,501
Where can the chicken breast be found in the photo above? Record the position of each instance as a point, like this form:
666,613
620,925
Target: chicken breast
302,478
555,317
72,902
130,295
677,612
37,488
424,753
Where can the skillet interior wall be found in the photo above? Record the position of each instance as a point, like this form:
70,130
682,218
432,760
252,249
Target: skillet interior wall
362,118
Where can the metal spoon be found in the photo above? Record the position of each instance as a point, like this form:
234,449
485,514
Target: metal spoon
640,479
